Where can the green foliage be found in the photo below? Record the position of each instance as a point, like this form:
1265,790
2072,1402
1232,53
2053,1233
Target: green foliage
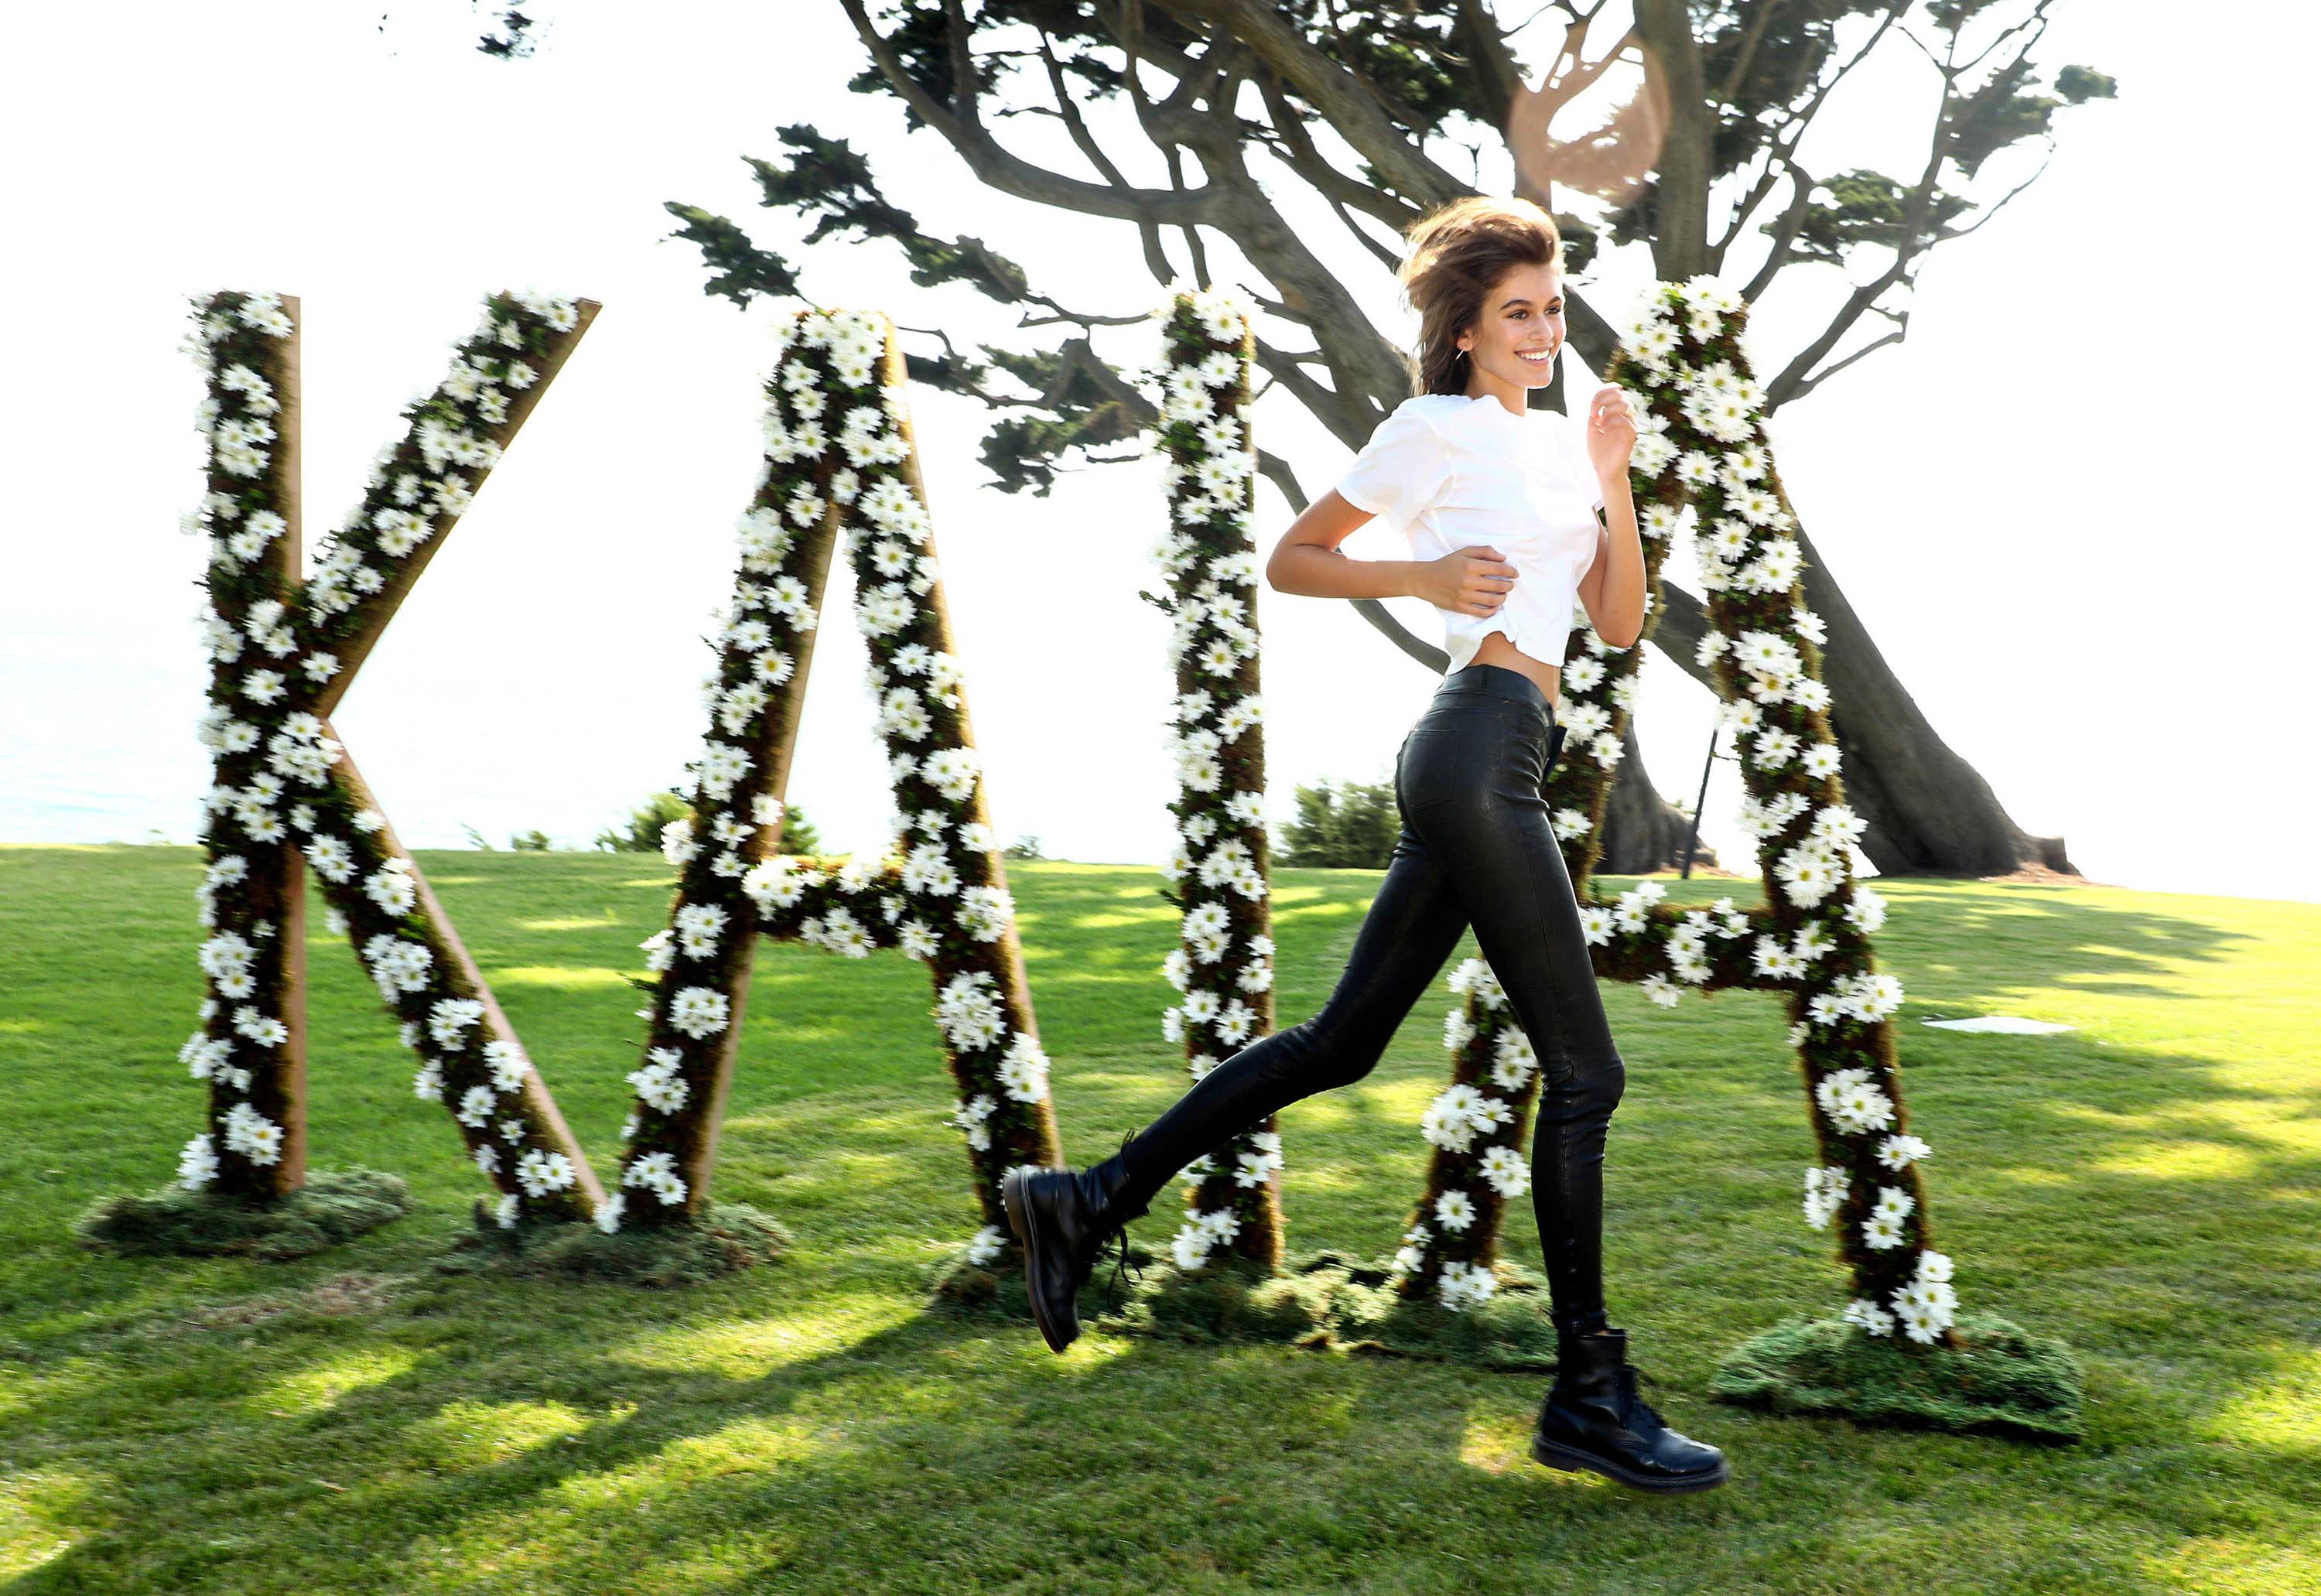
1862,208
1512,1329
798,834
738,267
2000,1379
1026,847
2079,84
334,1206
641,833
513,40
530,842
1232,1298
1352,825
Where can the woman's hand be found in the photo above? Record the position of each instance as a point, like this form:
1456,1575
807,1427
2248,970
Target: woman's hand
1474,581
1611,434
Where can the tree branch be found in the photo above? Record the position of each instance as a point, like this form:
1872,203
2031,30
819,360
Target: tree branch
1748,50
1008,173
1790,128
1783,233
1989,211
1372,367
1792,380
1291,147
1804,386
1148,232
1352,107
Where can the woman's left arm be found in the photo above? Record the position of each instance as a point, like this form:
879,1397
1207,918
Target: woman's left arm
1612,590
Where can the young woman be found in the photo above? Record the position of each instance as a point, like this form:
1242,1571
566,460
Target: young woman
1499,503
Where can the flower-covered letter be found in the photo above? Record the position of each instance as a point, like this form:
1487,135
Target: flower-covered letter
284,650
1223,962
840,468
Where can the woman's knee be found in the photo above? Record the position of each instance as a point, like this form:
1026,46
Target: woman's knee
1613,1083
1335,1047
1587,1086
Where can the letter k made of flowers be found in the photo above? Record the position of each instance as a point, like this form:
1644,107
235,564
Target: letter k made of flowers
284,648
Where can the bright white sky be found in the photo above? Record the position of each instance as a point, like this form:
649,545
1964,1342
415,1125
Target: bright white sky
2027,500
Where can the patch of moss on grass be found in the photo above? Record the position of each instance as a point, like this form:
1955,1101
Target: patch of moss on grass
2000,1379
729,1238
332,1206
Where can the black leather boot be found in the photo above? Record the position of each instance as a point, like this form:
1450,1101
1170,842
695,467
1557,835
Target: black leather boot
1594,1420
1060,1217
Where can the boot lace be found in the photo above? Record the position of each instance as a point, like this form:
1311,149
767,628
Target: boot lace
1122,1264
1633,1406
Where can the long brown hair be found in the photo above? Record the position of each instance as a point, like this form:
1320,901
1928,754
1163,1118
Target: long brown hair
1457,252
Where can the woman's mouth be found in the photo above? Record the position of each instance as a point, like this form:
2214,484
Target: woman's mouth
1536,357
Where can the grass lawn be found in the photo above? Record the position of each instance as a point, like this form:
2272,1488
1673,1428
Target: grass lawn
2147,1187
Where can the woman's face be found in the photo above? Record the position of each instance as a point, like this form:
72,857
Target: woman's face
1521,329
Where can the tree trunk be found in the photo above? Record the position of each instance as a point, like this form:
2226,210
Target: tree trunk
1930,812
1642,831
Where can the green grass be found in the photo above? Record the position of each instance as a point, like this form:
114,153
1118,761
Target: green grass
2147,1188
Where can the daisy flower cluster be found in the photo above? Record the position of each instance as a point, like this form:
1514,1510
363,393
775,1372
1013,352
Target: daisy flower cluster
418,487
282,785
1475,1125
1598,689
839,462
1702,439
239,343
1223,965
1661,949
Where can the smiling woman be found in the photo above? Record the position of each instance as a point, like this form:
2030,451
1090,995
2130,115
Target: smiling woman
1514,515
1477,846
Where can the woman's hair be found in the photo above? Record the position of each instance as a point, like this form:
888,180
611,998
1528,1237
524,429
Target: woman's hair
1457,252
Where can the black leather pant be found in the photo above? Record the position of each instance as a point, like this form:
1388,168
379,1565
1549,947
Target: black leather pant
1476,847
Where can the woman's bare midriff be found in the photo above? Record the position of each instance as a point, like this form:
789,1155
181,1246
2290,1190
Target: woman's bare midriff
1496,649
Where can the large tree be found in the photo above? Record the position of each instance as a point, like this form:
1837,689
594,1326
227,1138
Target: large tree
1356,107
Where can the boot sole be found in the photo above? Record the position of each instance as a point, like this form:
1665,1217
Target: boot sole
1019,1220
1556,1455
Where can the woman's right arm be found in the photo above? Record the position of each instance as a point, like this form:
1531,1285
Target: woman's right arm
1472,582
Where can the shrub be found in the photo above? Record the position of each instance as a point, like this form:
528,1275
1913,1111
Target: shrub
641,834
1347,825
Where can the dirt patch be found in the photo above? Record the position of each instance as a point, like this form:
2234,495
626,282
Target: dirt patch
341,1296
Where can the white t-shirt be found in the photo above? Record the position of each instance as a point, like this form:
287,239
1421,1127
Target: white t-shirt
1454,472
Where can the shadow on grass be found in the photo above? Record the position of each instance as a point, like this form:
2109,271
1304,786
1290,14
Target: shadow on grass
810,1427
2038,936
709,1437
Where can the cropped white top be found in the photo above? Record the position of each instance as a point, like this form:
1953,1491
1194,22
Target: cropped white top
1454,471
